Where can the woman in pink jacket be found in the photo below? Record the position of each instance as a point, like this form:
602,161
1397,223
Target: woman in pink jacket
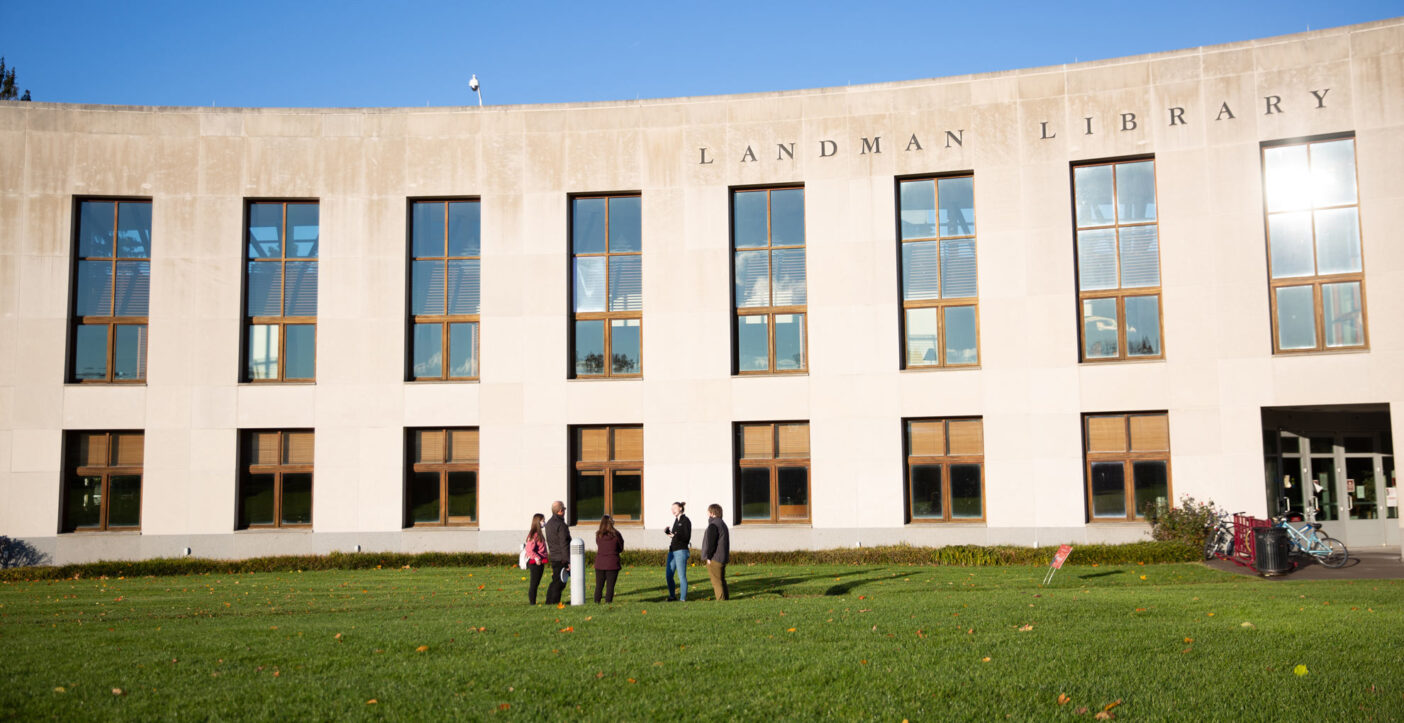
536,555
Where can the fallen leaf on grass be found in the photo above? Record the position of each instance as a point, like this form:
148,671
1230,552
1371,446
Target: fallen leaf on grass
789,630
1064,699
372,701
1025,628
985,659
1300,670
1143,577
337,636
422,649
560,606
1189,640
118,691
1081,711
569,629
599,674
1112,704
1246,625
631,680
60,689
504,706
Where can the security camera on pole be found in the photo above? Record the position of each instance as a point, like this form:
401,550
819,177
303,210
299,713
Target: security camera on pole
473,86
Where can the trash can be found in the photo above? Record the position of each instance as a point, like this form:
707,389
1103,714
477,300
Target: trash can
1271,554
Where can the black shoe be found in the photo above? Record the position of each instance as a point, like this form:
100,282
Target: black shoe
671,599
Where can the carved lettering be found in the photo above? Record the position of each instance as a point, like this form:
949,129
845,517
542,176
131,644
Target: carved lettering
784,151
1128,121
1177,116
749,154
704,160
827,148
1321,97
1088,125
959,139
914,142
1224,110
1272,107
1043,128
875,146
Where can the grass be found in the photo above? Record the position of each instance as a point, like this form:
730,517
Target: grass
880,642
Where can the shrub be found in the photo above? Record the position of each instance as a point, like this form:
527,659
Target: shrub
1189,523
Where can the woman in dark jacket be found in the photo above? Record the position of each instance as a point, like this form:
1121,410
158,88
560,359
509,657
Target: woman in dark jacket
608,544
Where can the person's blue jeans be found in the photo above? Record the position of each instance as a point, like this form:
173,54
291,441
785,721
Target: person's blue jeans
677,563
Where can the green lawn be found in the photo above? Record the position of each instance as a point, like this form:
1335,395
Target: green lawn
924,643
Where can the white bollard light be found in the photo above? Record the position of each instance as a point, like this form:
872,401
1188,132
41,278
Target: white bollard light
577,571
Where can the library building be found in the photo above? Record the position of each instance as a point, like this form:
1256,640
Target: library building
1028,307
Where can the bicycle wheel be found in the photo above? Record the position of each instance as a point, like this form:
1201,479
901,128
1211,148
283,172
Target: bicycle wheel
1336,555
1210,544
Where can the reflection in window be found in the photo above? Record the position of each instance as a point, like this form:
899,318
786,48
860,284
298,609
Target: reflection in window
945,469
445,289
1118,255
939,290
607,475
607,286
111,292
770,291
102,481
275,478
1128,464
772,474
280,290
442,479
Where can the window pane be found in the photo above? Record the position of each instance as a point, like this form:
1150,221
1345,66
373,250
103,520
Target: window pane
83,503
1093,188
129,352
787,217
1099,338
624,346
1296,320
1337,241
265,289
920,279
958,269
90,352
297,498
1152,485
965,491
789,341
627,504
1143,326
922,337
1135,192
428,351
787,277
960,335
625,225
1323,487
625,283
124,500
256,500
793,488
1343,317
755,494
589,347
427,289
1333,172
1287,178
134,230
463,286
588,226
303,230
424,497
133,288
926,491
463,496
300,289
265,230
1108,489
1096,259
957,196
94,288
1289,237
263,351
427,228
918,216
463,350
300,351
95,228
465,228
752,278
590,283
589,495
752,343
1140,256
750,222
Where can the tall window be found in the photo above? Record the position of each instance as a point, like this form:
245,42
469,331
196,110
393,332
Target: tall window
607,477
768,241
275,479
1128,464
445,267
102,481
1118,260
281,288
606,249
442,484
939,300
772,474
1316,269
945,469
111,293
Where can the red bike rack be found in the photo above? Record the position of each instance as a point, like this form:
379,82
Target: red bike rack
1245,546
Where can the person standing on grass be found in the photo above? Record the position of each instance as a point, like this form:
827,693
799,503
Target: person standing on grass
681,546
536,555
557,551
716,551
608,544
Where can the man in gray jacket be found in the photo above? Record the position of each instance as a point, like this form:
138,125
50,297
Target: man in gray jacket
557,551
716,550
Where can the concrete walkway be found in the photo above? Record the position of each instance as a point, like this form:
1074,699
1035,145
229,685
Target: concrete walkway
1367,563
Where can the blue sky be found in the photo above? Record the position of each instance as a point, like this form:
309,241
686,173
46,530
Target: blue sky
359,53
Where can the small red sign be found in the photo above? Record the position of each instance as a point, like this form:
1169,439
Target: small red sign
1062,556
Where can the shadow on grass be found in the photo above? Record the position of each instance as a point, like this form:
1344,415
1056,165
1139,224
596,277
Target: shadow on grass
1101,574
741,584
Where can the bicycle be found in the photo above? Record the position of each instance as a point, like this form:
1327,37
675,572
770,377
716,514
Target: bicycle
1308,540
1219,543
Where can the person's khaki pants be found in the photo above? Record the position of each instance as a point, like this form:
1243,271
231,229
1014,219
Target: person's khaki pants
717,571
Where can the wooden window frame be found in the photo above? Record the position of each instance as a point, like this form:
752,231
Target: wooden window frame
1315,281
1128,459
72,441
281,321
445,319
608,468
945,462
770,311
941,304
247,468
605,316
773,465
111,321
1120,293
443,469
